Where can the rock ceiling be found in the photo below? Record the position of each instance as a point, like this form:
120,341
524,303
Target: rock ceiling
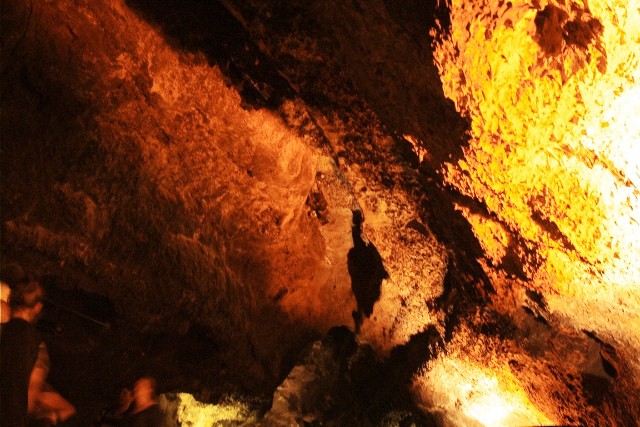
268,171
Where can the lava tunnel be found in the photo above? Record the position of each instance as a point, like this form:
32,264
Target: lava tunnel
365,213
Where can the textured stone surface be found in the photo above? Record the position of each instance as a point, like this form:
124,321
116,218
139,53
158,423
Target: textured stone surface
135,173
552,157
231,179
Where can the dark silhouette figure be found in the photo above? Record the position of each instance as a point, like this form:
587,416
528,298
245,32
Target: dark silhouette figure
25,364
20,347
146,412
366,271
115,415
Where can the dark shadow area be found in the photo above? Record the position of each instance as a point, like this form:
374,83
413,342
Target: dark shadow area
549,225
347,59
90,363
74,305
608,355
517,255
338,381
206,26
549,29
560,36
441,130
595,387
466,285
366,270
553,27
419,15
384,385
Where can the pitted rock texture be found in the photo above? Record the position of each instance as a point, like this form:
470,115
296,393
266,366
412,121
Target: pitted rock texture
233,179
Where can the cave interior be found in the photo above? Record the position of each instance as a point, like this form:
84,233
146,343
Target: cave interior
377,212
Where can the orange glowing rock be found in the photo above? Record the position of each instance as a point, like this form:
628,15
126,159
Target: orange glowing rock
552,93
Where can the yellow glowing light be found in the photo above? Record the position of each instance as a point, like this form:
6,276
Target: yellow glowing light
554,151
184,409
490,410
468,393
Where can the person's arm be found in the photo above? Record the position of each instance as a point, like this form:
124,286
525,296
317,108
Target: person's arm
36,380
52,401
38,375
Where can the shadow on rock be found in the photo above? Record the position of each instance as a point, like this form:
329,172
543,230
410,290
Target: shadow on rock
339,381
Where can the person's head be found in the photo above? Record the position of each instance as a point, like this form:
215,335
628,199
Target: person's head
5,311
144,391
6,291
26,300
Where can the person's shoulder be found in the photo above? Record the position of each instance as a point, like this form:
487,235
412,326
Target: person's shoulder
151,416
19,322
16,325
153,410
20,327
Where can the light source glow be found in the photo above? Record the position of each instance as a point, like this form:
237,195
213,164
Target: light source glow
552,92
473,393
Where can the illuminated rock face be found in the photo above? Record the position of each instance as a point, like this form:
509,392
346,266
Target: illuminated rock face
550,89
135,171
551,92
263,173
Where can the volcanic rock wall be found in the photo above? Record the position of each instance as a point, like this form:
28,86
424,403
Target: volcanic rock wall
265,171
141,164
550,89
131,170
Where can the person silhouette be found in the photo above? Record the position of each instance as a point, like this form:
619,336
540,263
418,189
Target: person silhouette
25,364
19,350
146,411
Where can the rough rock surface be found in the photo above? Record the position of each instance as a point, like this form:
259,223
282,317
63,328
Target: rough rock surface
206,187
